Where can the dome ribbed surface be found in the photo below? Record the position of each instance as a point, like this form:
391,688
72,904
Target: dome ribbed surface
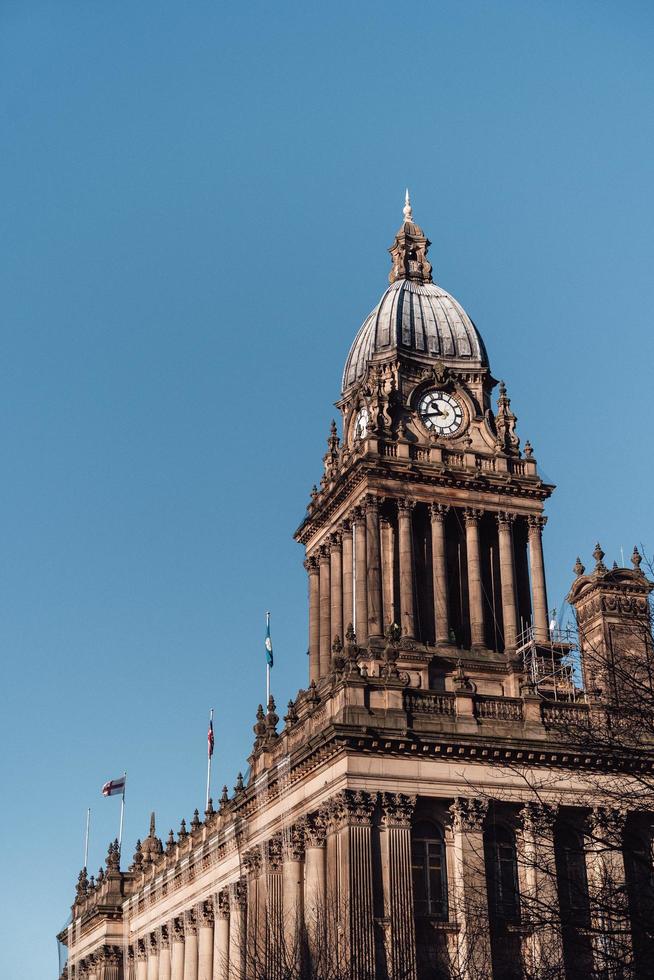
414,317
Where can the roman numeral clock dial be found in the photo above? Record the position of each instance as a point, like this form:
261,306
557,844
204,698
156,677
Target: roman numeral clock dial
440,413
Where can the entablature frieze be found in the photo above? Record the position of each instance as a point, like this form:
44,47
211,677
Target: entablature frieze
506,486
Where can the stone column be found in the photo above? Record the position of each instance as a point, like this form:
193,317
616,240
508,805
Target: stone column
405,534
274,918
353,813
475,600
348,576
336,580
311,565
237,930
152,947
325,613
467,891
373,556
190,946
315,910
292,888
611,936
361,575
538,587
177,950
507,576
221,936
543,943
164,953
439,572
395,839
141,960
205,940
255,943
388,578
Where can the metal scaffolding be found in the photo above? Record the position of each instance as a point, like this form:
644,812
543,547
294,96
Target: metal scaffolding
549,664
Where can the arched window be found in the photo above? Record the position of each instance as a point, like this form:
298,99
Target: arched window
429,870
502,874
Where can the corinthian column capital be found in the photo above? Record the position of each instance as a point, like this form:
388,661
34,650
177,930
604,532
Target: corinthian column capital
438,511
397,809
405,506
472,516
311,565
536,524
505,519
468,814
538,819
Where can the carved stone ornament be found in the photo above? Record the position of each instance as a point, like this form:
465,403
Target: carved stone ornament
311,565
438,512
315,829
272,851
190,922
538,819
471,516
252,862
205,913
141,950
607,824
505,520
468,814
164,937
352,808
221,905
293,842
397,809
178,929
237,895
536,524
405,507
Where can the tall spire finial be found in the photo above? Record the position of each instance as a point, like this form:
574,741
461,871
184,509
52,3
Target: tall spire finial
409,250
408,212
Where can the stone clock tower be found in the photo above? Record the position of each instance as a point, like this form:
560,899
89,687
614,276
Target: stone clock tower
428,518
442,801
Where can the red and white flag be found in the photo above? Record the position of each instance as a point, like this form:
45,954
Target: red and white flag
114,787
210,738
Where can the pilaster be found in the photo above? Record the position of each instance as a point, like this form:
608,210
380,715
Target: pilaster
221,936
543,943
468,895
395,838
352,813
612,949
190,945
205,919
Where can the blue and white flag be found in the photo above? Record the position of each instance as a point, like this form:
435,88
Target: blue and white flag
269,652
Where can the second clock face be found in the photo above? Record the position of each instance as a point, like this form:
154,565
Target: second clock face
440,413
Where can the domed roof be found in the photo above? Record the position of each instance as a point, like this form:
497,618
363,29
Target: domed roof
414,316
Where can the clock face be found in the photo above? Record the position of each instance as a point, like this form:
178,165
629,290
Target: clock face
440,413
361,424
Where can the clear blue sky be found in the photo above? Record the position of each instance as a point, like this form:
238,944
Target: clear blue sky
196,203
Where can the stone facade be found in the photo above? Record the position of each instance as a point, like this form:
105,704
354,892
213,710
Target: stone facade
432,805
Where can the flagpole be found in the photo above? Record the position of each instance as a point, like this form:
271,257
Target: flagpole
122,813
267,663
209,754
86,838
